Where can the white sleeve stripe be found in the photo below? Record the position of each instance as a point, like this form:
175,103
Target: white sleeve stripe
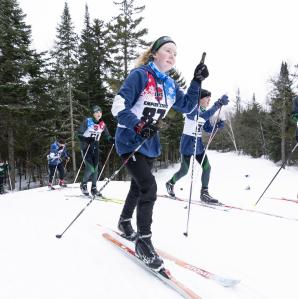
118,105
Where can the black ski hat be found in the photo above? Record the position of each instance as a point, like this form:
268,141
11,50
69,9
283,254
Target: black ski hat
160,42
205,93
61,140
96,108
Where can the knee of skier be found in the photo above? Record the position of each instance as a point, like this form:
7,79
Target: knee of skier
149,186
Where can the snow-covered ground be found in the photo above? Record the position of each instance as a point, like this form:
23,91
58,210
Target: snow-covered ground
258,249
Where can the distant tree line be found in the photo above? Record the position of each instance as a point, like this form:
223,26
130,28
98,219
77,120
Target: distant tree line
47,95
257,131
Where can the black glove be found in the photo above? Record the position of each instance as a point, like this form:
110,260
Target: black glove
89,140
201,72
224,100
146,130
220,124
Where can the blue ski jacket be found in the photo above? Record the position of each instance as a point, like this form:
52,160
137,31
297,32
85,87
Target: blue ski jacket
57,154
146,94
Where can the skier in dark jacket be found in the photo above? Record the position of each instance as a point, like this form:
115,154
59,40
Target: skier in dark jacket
3,174
58,154
188,139
145,97
89,135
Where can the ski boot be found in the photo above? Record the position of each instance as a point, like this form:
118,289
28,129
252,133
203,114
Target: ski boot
62,183
124,225
170,188
207,198
95,192
50,186
146,253
84,189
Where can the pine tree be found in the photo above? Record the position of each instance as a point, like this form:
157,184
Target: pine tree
127,39
65,61
280,138
15,63
94,63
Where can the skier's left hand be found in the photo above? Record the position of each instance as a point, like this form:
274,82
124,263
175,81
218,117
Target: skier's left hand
201,72
220,124
224,100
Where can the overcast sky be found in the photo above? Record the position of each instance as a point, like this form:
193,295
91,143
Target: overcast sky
245,41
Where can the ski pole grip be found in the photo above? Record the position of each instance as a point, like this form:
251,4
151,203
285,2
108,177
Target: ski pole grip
203,57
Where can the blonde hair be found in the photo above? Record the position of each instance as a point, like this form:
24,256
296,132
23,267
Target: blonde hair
144,57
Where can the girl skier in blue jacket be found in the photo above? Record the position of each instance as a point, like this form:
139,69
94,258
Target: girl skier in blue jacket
58,153
187,143
144,99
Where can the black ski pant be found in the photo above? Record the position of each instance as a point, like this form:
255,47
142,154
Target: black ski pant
60,169
142,192
91,165
185,161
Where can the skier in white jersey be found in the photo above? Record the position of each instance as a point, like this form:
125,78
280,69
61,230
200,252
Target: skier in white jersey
145,97
188,139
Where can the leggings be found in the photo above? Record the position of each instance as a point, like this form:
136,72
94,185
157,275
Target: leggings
185,161
60,169
142,192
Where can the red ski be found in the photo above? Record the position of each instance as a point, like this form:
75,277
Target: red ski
286,199
164,274
223,281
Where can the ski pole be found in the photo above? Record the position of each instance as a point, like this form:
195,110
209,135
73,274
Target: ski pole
9,177
283,164
53,179
66,165
81,164
105,162
110,178
213,132
194,153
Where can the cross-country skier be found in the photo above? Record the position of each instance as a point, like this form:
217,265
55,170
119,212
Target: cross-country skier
3,174
188,139
143,100
58,154
89,134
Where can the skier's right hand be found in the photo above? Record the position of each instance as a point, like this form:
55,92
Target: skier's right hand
146,130
201,72
89,140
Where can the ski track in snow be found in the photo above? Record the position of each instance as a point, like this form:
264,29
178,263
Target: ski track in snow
258,249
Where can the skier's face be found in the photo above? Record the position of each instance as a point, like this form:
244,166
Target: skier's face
97,115
205,102
165,57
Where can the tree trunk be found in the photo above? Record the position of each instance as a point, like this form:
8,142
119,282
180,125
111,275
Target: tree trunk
72,130
11,157
283,131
